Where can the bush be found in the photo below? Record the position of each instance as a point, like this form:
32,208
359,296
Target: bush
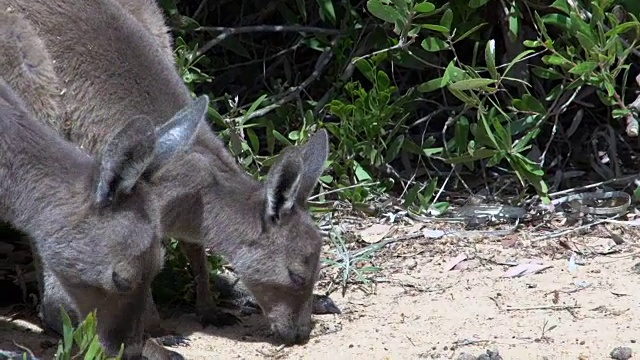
412,91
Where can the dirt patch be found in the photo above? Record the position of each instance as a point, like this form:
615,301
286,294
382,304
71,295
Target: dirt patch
572,310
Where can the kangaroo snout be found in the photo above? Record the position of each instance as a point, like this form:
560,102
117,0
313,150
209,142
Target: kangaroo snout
291,334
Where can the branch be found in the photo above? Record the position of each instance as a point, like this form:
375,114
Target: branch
292,93
226,32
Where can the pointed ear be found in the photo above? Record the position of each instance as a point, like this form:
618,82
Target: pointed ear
178,133
124,158
282,184
314,156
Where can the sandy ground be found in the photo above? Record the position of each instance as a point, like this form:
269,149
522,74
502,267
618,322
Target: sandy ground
420,308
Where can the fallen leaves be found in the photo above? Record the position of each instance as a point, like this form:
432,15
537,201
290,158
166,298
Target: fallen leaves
375,233
526,269
455,262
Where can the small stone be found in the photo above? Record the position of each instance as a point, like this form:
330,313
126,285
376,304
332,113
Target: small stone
490,355
582,342
621,353
465,356
409,264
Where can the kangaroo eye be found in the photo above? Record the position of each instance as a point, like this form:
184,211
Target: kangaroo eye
296,279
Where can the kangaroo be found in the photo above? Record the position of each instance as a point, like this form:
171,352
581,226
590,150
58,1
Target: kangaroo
114,61
91,222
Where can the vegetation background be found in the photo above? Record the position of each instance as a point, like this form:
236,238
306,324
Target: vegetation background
427,102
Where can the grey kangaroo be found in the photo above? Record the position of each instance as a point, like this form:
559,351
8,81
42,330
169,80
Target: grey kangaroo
105,61
91,222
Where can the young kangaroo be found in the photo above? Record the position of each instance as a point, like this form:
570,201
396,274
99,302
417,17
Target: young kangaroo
92,223
114,59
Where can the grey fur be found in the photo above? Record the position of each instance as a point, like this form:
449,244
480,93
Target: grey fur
115,60
48,190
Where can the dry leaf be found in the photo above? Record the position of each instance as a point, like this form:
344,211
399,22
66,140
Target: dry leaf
509,241
374,233
604,246
455,261
433,233
525,269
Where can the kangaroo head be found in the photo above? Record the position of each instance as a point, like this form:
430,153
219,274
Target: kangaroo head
123,205
280,265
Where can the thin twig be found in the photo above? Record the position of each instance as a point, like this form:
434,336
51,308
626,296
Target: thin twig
402,45
292,93
564,232
226,32
542,307
627,178
343,189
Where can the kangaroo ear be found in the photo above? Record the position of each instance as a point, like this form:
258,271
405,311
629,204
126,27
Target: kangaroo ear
178,134
314,157
282,184
124,158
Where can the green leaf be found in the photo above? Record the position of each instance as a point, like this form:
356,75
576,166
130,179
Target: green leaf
383,81
556,60
94,349
478,155
302,9
501,133
584,68
384,12
361,173
67,330
623,28
253,108
558,20
437,28
587,43
432,151
471,84
534,104
516,60
545,73
433,44
366,69
461,134
469,32
523,142
429,191
619,113
474,4
453,73
281,138
561,5
490,58
425,7
394,149
532,43
411,195
514,23
431,85
471,101
446,19
402,6
327,11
